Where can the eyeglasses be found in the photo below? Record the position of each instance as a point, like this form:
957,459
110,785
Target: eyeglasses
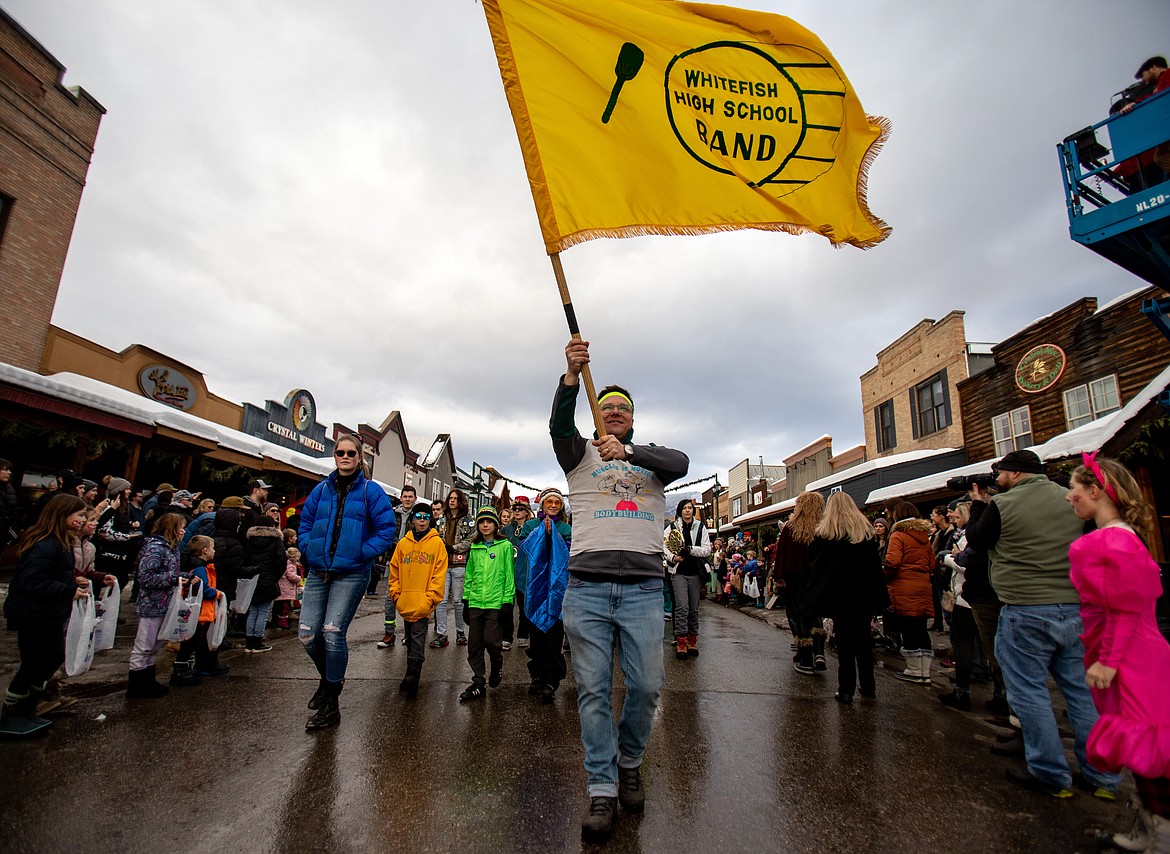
620,407
420,514
350,453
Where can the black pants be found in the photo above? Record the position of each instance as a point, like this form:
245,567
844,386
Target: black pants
546,660
483,633
914,633
854,654
42,651
507,622
965,635
375,580
524,631
195,649
414,638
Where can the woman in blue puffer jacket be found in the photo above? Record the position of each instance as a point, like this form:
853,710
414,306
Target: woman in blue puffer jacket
346,522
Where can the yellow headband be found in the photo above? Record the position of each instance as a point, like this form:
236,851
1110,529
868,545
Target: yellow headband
616,394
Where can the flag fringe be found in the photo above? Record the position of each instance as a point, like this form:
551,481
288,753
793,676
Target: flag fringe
569,240
871,153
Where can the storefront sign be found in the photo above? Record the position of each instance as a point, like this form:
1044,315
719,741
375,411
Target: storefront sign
166,385
292,424
1040,368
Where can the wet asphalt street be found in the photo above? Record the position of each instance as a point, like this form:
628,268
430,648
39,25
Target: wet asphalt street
746,755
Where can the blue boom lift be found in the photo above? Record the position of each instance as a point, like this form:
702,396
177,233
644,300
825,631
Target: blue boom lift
1115,207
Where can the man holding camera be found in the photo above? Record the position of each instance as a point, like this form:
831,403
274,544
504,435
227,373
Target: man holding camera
1026,530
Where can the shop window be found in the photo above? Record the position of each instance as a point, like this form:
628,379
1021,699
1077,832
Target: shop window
736,507
930,405
1012,430
436,490
1089,402
887,434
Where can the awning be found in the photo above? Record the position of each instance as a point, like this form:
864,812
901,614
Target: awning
92,401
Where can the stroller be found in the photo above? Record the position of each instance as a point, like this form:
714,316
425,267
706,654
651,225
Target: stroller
881,640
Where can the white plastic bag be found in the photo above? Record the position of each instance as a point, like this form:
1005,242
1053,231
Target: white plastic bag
182,617
109,603
79,636
751,587
245,587
217,631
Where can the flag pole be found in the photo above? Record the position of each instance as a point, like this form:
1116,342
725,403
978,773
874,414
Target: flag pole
571,317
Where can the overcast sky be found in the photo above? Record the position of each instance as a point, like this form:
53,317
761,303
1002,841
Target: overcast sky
331,196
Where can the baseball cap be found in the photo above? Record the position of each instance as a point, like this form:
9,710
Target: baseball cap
184,495
258,484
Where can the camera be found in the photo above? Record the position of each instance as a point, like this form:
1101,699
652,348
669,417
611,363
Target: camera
984,480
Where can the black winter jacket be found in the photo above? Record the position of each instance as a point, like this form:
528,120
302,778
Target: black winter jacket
41,592
264,554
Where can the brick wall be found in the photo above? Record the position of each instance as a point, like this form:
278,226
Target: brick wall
47,135
925,350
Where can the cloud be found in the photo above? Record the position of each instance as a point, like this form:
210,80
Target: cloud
332,197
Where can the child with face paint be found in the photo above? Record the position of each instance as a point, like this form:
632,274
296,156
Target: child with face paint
38,606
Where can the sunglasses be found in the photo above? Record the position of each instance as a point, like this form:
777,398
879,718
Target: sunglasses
420,514
350,453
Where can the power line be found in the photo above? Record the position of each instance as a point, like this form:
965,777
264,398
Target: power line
692,483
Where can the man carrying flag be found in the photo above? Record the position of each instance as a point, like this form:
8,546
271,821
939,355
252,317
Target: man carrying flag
615,586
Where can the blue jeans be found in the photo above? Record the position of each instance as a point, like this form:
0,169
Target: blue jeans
454,595
1032,642
597,616
258,619
327,609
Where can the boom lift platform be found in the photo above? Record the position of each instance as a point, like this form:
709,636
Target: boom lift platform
1111,212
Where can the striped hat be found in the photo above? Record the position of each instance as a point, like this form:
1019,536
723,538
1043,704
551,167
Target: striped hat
490,514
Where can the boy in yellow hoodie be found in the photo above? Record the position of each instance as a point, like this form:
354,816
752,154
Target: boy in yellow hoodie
418,582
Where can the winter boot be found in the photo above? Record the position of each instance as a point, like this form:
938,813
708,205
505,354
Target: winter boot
328,712
925,657
818,650
680,646
18,718
183,676
956,699
912,672
693,646
143,684
631,795
409,684
598,822
803,661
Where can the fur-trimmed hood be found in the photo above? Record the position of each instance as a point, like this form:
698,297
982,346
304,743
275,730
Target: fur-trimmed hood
922,526
264,531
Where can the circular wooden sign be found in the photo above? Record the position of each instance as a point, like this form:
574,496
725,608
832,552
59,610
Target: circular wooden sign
1040,368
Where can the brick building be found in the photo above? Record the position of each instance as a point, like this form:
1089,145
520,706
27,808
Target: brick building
47,135
909,400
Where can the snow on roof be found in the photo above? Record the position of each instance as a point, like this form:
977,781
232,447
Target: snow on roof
763,513
1122,298
112,400
981,348
873,465
1087,437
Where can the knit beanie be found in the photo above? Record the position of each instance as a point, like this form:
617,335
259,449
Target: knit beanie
490,514
117,485
551,492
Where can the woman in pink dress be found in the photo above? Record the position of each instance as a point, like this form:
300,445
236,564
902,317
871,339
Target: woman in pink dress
1126,658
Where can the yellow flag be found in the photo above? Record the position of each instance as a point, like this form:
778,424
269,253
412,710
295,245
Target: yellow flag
659,117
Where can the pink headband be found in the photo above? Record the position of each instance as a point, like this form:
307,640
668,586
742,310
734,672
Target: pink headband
1090,461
